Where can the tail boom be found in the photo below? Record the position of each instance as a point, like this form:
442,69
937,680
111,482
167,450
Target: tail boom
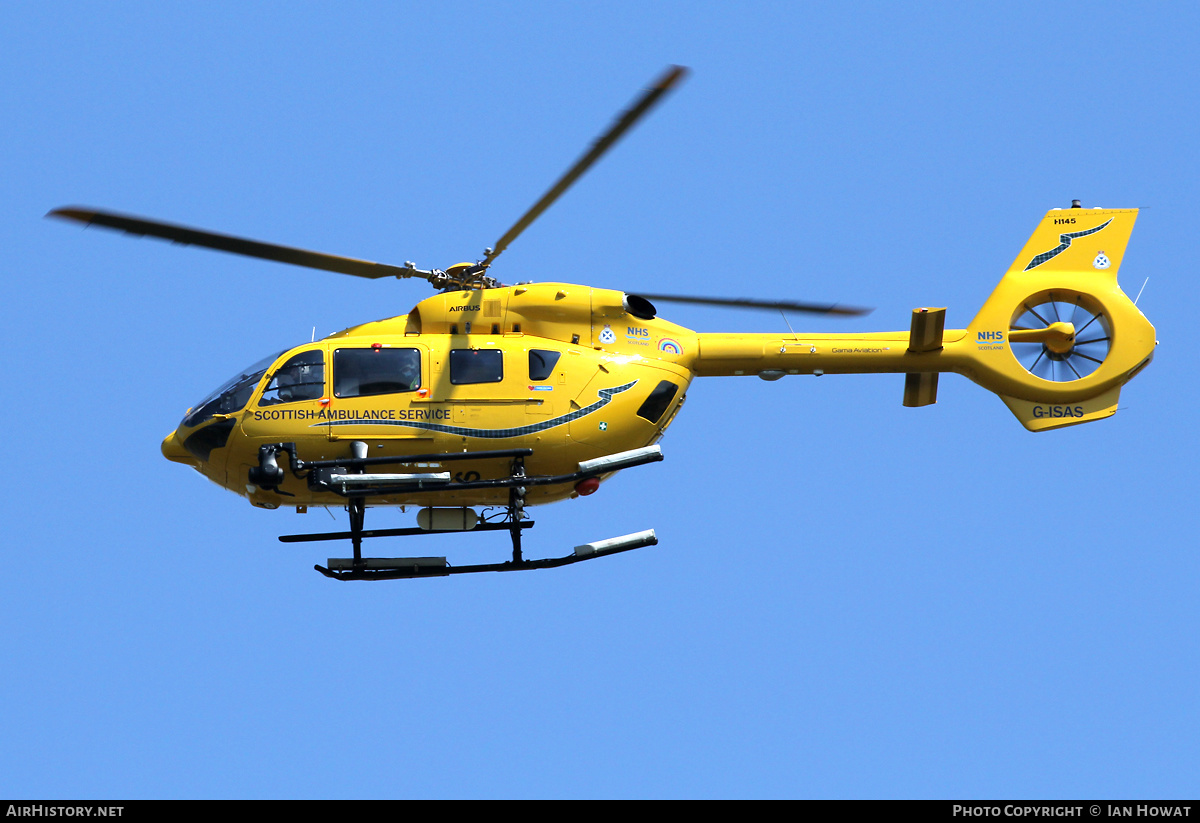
1056,340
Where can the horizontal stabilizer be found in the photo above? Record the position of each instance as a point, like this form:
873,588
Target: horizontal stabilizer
924,336
920,389
927,329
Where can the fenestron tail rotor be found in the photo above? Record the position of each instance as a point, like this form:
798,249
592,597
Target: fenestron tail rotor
1060,337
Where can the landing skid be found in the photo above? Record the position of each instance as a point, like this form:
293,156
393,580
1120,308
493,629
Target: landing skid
399,568
348,479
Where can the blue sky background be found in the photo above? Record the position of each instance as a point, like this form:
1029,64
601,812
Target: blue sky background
850,598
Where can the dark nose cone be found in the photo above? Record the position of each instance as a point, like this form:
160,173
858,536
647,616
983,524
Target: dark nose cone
174,451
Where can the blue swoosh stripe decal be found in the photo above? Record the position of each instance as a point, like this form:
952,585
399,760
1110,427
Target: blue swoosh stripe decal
1064,243
606,396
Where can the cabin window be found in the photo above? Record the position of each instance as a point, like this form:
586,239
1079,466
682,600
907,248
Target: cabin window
302,377
367,372
541,363
658,401
476,366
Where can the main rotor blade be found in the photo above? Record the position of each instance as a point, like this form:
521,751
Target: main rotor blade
236,245
776,305
651,96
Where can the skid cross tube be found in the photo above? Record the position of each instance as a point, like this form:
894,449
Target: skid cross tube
514,523
322,473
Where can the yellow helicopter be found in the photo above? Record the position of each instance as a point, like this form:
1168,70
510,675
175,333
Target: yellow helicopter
502,397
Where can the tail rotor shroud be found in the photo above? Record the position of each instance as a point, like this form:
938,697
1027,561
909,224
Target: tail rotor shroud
1080,346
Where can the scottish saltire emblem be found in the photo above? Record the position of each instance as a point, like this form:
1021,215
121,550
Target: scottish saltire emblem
1101,261
608,335
1064,243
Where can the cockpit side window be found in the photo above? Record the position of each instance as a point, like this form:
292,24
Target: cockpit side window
302,377
367,372
232,395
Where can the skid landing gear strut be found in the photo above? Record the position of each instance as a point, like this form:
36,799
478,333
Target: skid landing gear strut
346,477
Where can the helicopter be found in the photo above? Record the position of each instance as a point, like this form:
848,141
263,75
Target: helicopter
501,397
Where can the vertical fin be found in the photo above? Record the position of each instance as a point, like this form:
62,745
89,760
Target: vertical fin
1077,240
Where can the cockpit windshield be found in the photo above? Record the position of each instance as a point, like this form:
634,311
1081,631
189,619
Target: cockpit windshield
233,394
